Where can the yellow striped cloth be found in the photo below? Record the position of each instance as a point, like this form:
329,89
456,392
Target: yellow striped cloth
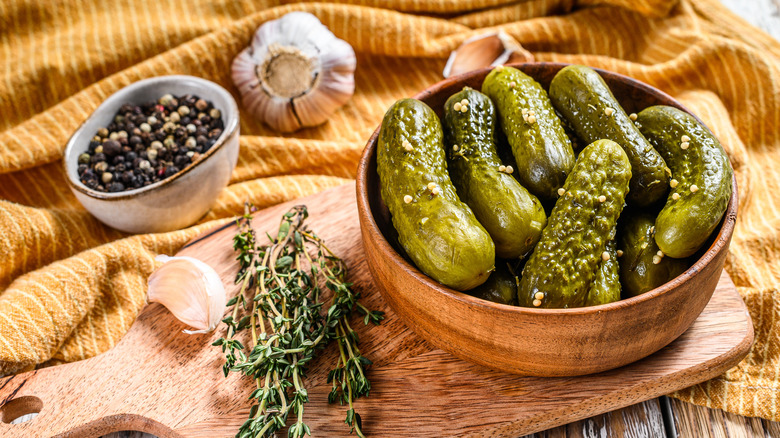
71,287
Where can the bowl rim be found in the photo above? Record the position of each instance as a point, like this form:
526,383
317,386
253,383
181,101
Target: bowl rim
124,93
725,230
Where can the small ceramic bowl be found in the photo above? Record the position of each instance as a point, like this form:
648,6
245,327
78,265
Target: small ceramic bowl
540,342
177,201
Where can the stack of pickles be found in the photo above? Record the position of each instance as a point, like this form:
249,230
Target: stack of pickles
497,200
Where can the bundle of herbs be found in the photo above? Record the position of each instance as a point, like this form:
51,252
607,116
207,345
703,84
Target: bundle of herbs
280,303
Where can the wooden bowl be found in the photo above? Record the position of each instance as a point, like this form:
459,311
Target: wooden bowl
539,342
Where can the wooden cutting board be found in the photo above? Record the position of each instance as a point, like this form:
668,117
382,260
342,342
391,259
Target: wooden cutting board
161,381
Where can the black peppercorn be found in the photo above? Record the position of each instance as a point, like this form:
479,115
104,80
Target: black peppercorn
181,161
170,171
149,142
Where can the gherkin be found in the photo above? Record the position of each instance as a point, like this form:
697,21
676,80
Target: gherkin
562,267
606,285
500,287
585,100
642,268
539,143
512,216
436,230
701,179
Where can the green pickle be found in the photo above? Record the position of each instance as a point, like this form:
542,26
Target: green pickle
539,143
562,267
513,217
642,268
583,98
439,233
500,287
701,179
606,286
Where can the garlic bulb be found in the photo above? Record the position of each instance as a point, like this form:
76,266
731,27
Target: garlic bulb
485,50
295,73
191,290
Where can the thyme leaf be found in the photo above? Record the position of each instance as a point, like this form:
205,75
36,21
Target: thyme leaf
279,304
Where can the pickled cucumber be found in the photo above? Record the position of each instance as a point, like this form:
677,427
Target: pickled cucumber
701,179
513,217
606,286
539,144
642,268
500,287
584,99
563,265
438,231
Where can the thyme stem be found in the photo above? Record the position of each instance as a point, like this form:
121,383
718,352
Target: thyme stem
287,326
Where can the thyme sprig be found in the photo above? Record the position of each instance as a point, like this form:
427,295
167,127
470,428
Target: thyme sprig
279,304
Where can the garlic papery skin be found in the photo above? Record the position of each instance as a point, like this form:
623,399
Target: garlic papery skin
295,73
485,50
191,290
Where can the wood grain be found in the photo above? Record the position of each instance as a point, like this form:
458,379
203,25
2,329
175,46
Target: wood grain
696,421
642,420
160,381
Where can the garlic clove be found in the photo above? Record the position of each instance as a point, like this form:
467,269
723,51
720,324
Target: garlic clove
485,50
337,85
295,73
191,290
